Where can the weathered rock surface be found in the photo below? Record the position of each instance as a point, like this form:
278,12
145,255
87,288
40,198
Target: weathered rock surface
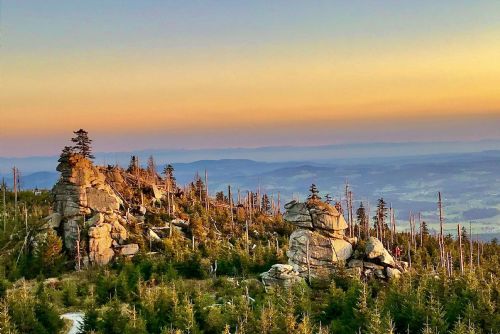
319,246
100,251
375,250
280,275
393,273
310,250
84,191
81,190
315,214
326,217
298,214
130,249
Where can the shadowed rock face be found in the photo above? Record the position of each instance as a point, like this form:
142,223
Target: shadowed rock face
298,214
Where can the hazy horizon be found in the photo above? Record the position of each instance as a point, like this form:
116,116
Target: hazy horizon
159,74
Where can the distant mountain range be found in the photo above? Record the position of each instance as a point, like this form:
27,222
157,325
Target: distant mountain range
470,182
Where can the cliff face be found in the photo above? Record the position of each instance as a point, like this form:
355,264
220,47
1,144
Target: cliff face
85,199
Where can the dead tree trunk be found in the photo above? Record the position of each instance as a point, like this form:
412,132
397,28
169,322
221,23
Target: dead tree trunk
230,198
4,206
207,204
391,224
15,188
471,246
441,235
421,230
351,213
247,238
460,248
308,262
279,203
78,257
409,254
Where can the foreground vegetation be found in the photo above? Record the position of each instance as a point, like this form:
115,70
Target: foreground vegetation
173,287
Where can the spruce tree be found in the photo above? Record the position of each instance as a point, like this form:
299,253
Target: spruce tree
314,193
381,215
6,325
328,199
361,215
151,166
168,171
266,204
66,153
83,143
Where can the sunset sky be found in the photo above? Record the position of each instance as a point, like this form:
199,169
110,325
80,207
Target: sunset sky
195,74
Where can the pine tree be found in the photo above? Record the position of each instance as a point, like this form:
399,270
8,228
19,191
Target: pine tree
151,167
49,253
219,196
314,193
90,320
328,199
133,165
66,153
83,143
361,215
459,328
6,325
375,324
380,216
168,171
425,229
266,204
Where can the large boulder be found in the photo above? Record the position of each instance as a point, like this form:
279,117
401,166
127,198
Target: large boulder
280,275
130,249
100,242
393,273
298,214
375,251
326,217
312,253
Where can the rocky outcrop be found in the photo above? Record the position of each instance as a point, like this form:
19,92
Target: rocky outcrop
83,191
319,243
319,247
280,275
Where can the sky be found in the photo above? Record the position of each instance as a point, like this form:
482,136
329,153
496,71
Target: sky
214,74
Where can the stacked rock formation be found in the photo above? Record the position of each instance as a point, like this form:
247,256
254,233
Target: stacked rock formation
319,243
319,247
84,191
